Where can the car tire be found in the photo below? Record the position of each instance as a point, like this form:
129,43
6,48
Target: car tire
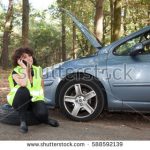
9,116
81,105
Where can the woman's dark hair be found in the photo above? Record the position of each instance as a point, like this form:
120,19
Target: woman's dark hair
19,52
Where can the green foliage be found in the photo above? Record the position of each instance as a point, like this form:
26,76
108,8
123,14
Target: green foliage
45,26
44,37
84,11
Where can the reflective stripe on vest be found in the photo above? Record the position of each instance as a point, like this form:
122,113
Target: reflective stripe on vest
36,93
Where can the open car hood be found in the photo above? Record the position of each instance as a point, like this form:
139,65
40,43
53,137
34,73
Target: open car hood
88,35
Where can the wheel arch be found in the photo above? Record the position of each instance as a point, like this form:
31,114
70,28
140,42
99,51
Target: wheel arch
80,75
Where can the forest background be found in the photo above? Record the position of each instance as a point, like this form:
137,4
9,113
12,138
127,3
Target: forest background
53,36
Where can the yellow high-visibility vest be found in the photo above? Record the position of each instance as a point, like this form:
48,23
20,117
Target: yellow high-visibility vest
36,90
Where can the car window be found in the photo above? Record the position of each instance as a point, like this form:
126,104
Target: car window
126,47
146,43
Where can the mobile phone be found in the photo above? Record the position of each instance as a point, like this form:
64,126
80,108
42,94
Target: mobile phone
24,62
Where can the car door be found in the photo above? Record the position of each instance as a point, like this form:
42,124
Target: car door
129,76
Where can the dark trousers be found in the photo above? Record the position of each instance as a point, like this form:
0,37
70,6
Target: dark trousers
22,103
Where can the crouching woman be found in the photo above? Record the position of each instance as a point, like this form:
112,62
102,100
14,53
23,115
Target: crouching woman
26,86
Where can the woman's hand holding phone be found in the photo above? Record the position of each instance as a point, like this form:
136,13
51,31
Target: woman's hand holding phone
24,62
21,63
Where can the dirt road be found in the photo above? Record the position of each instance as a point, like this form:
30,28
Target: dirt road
109,126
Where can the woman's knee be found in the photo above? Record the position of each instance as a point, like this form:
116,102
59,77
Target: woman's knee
23,91
22,97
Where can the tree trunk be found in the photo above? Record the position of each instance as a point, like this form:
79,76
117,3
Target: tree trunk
116,25
6,35
112,17
104,29
148,21
74,41
25,23
62,4
99,20
124,19
63,37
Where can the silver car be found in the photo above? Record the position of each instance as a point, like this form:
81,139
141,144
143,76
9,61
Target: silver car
116,78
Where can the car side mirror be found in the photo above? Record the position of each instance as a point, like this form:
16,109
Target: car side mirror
136,49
